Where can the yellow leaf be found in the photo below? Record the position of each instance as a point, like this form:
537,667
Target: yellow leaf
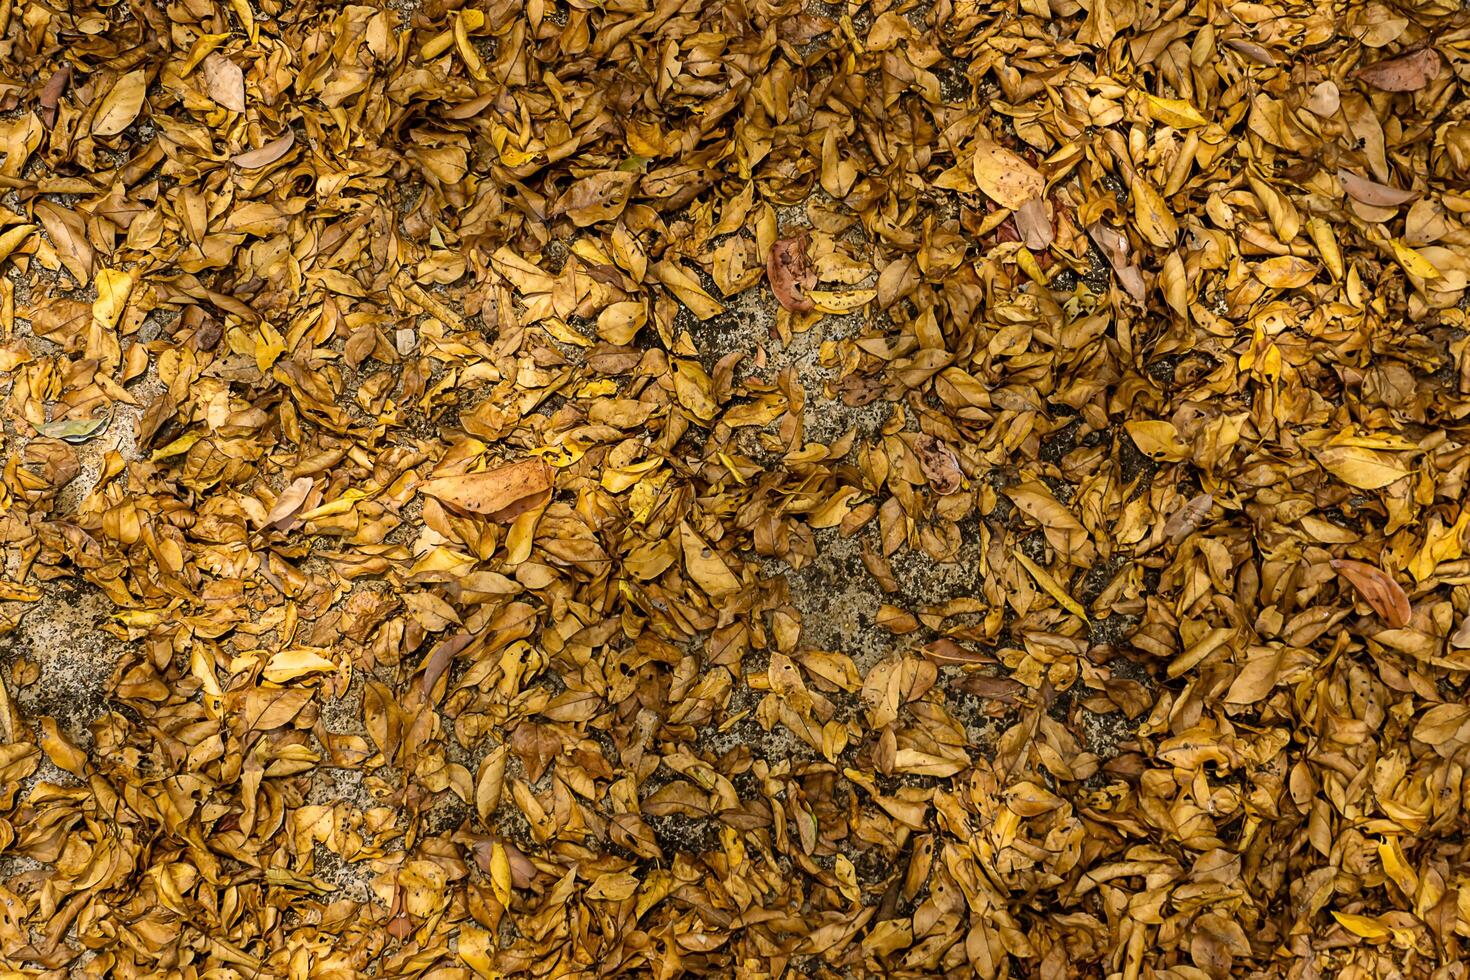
1151,213
619,323
121,104
613,887
1158,439
203,46
60,750
15,592
500,876
1053,588
179,446
836,303
291,664
475,949
1005,177
1326,241
269,345
692,387
341,505
1440,544
522,534
1286,272
202,669
113,288
1396,866
618,479
1361,468
1413,263
1174,112
466,49
1364,926
835,508
686,288
13,238
706,567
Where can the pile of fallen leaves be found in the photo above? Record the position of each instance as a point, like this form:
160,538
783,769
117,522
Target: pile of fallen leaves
443,397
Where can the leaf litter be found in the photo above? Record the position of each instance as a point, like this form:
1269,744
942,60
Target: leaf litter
891,490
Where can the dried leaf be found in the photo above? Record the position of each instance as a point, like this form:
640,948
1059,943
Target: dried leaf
75,431
267,153
289,504
1406,73
600,197
224,81
1378,589
939,463
791,273
1005,177
121,105
1372,192
502,493
1174,112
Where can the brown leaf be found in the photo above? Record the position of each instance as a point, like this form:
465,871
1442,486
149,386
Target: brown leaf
1378,589
266,154
600,197
1034,224
1005,177
290,503
945,651
1374,193
51,92
939,464
224,81
1189,518
1406,73
502,493
791,273
121,105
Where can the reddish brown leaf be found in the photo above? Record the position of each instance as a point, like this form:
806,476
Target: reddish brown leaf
939,464
51,93
1378,589
791,273
1406,73
1373,193
944,651
267,154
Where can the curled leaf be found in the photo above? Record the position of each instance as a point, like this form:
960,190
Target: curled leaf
1373,193
791,273
1114,246
1378,589
51,93
939,464
266,154
290,503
